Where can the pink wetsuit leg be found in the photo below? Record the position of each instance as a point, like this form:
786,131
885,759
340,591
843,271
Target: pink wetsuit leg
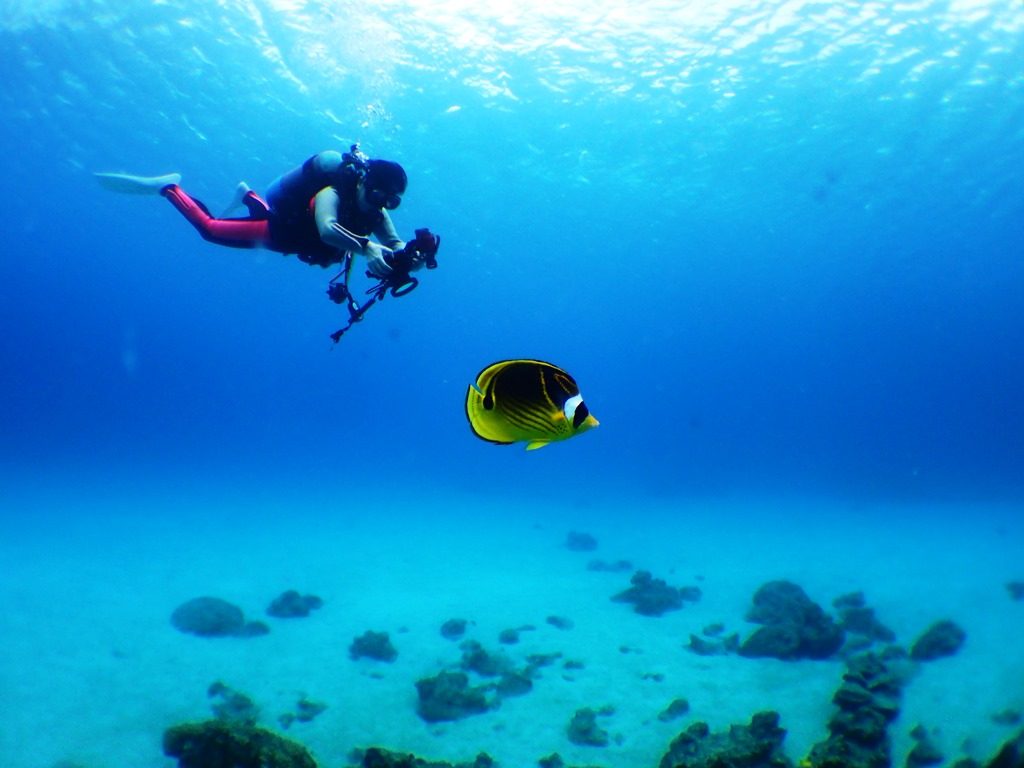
235,233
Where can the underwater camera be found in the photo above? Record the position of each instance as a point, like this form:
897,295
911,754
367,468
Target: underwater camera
422,249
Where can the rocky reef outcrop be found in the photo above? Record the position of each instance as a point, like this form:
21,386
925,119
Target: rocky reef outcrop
793,626
222,744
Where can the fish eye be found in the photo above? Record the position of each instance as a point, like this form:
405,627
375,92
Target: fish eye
573,409
582,412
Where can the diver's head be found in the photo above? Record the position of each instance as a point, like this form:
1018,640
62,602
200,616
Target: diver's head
384,184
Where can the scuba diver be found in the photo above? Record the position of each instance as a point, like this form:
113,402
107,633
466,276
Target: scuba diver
323,211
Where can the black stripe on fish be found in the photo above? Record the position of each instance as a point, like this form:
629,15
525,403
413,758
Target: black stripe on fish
567,384
526,415
531,412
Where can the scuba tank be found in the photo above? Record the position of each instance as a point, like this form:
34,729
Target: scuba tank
289,194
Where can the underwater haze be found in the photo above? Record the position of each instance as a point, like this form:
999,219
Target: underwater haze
778,244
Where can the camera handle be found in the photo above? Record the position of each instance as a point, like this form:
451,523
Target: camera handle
339,293
425,245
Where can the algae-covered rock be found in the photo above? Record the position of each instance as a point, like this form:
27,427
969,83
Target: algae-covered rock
584,730
943,638
653,597
229,704
676,709
306,710
758,745
373,645
578,541
214,617
867,701
208,617
855,616
453,629
1010,755
476,658
291,605
449,696
794,628
219,744
375,757
925,751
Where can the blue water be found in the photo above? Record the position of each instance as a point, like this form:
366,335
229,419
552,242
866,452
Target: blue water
779,246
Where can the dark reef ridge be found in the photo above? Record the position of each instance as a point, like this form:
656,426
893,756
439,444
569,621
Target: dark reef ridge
867,702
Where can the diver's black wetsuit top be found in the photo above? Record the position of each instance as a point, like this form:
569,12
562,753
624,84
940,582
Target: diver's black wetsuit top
292,225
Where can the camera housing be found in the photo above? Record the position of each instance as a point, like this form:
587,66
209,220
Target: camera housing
422,249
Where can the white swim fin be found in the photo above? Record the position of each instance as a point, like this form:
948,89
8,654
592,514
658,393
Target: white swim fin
136,185
237,201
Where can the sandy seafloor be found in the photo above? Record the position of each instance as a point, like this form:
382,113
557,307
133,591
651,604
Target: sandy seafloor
92,672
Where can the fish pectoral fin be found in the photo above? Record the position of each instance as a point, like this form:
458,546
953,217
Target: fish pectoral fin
535,444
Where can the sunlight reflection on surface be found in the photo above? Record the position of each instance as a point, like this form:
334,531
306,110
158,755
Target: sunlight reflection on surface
663,44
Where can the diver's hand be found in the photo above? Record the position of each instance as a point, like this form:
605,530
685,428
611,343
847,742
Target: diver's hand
416,264
375,259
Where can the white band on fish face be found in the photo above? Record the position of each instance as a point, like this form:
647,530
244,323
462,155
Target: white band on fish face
569,409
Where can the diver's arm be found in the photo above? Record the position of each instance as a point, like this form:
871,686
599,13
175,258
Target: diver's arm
325,212
387,234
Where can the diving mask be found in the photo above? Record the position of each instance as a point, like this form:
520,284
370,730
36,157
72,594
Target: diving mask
378,198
